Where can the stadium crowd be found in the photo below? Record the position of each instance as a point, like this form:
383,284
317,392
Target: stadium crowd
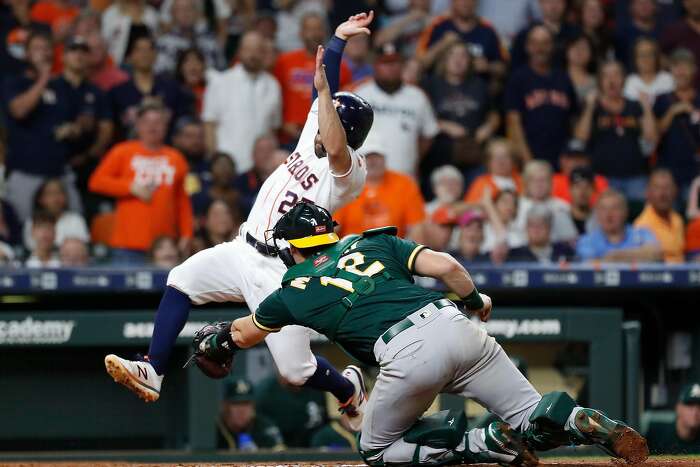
544,131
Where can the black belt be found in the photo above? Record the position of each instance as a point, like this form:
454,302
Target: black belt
406,323
263,248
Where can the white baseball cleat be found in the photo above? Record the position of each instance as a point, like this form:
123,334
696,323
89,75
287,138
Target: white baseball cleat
138,376
354,408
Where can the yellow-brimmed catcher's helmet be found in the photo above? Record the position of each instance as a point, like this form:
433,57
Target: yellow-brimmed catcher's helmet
305,226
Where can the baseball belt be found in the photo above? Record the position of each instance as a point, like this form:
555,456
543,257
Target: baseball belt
406,323
262,248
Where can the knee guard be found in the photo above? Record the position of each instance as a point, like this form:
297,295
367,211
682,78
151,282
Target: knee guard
442,430
548,422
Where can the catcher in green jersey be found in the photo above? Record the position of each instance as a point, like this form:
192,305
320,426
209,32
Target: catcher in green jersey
360,293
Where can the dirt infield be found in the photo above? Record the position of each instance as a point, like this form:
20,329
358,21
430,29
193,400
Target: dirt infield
651,462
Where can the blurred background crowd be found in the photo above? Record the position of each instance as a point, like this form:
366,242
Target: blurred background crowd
541,131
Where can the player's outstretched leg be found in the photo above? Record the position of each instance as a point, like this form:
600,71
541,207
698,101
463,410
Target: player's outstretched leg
206,276
145,376
558,421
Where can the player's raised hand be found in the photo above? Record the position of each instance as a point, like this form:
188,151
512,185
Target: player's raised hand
320,80
356,24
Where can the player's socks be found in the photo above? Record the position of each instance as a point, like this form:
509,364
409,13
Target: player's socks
171,317
327,378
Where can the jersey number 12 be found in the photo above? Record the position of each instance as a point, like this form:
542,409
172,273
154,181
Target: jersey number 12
350,263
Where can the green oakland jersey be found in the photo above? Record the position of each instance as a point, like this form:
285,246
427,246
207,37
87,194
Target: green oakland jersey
351,292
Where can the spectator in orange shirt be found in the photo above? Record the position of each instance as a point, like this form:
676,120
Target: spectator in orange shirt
572,158
147,179
660,217
389,198
502,173
295,72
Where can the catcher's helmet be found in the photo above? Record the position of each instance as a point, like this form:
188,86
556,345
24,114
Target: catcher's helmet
304,226
356,115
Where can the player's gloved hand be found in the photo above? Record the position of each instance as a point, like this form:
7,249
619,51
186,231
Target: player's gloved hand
214,360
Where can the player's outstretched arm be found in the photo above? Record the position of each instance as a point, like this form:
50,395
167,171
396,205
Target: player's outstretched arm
446,268
245,333
329,126
356,24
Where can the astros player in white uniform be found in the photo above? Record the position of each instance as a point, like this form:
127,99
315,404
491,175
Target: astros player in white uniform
324,169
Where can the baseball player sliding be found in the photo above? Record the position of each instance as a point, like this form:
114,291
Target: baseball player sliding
360,293
324,169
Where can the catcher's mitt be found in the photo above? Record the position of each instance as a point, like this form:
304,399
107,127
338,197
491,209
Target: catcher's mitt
215,363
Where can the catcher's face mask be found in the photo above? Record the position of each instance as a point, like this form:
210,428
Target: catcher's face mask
285,254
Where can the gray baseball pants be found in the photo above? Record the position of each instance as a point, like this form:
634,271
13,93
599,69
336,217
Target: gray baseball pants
443,352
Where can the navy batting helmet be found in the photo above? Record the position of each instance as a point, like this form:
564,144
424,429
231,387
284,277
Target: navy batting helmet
356,115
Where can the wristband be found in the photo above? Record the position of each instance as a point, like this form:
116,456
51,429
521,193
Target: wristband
336,44
473,301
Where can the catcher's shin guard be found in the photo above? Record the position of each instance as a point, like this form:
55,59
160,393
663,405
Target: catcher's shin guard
441,439
442,430
548,422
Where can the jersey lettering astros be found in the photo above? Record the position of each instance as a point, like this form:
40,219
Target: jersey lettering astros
304,177
351,292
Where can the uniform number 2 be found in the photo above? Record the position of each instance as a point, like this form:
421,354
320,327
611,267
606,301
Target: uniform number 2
290,199
350,263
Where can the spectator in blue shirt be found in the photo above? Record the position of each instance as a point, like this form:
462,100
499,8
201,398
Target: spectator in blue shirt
462,24
45,119
145,84
540,102
16,24
615,240
642,23
553,14
678,117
